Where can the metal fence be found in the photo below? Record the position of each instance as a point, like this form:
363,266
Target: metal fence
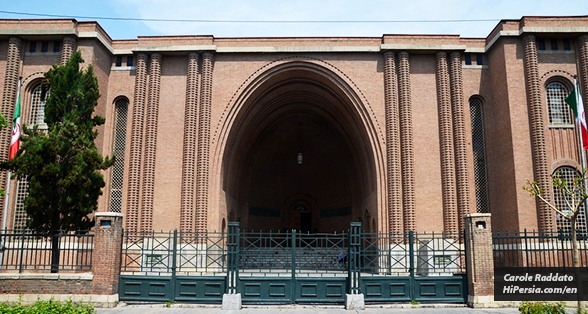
27,251
536,249
180,253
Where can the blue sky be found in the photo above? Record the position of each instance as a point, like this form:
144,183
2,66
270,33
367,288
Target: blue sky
391,12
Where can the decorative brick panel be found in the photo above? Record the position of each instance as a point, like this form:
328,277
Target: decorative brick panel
190,145
9,102
459,137
393,144
150,141
68,47
538,145
203,160
136,146
447,145
406,141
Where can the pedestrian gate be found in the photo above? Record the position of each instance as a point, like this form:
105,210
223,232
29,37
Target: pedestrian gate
292,267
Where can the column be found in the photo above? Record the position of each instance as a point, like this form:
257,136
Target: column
150,139
538,145
190,145
406,142
459,138
446,141
136,146
393,144
106,254
480,264
202,162
68,46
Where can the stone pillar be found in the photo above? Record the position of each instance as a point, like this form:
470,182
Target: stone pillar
480,261
203,159
150,140
8,104
406,141
447,145
393,144
136,149
190,145
538,145
68,47
106,254
459,138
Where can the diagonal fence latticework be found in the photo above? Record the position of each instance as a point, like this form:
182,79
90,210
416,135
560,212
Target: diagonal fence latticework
537,249
28,251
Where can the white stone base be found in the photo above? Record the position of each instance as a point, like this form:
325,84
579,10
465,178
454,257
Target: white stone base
354,302
98,300
232,301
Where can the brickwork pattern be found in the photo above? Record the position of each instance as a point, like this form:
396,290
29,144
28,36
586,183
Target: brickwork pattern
583,67
136,146
480,265
106,256
67,49
393,144
203,159
406,143
459,135
447,144
9,102
45,286
538,145
150,141
190,145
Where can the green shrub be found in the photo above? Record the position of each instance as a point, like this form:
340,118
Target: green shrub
542,308
47,307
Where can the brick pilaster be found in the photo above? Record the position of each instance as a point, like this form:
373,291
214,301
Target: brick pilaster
393,144
203,159
68,46
406,141
447,145
538,146
583,67
459,138
106,254
480,261
190,145
150,140
136,149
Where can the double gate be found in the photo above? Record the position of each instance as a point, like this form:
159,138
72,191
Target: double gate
292,267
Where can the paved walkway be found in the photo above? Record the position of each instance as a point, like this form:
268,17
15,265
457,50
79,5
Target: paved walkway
301,309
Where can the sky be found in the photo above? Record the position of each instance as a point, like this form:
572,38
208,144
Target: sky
127,19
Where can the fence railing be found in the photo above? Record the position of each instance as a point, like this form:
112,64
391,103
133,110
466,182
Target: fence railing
26,251
536,249
173,252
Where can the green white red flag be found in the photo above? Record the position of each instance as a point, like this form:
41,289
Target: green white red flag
15,140
574,99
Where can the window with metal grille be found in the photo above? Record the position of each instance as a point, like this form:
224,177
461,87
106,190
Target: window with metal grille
479,151
563,225
118,149
36,117
558,110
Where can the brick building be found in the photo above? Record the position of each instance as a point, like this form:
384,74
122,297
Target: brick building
401,132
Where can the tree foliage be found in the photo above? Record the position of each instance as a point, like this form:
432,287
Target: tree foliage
62,163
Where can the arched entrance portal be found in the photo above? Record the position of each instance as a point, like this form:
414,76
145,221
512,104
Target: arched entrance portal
298,156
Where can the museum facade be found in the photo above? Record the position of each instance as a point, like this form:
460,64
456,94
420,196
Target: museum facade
400,132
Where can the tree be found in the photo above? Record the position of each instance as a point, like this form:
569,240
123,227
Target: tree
62,163
574,195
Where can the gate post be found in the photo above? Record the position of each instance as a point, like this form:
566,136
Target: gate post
480,259
232,299
106,257
354,300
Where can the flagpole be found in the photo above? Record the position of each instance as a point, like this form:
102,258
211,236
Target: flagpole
7,194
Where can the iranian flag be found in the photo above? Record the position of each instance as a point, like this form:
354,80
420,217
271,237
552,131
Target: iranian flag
15,140
574,99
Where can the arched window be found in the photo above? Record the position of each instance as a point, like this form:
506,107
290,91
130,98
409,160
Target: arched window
563,225
479,151
36,117
118,149
558,111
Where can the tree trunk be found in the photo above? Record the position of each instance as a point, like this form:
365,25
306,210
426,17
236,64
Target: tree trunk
55,239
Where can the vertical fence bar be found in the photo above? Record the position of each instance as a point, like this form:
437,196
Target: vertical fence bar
353,259
233,257
174,264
